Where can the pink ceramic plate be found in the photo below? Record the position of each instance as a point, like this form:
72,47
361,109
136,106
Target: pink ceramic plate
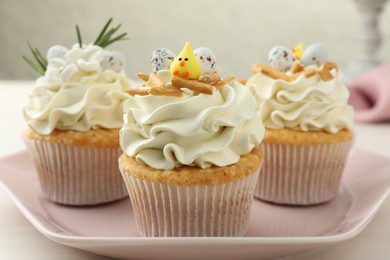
275,231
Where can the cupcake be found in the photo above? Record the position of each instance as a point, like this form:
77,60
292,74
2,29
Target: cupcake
303,103
190,144
74,113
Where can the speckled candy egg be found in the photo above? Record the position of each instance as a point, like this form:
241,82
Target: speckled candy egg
162,59
56,51
207,59
281,58
314,54
114,60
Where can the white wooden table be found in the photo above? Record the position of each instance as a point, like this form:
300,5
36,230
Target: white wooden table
20,240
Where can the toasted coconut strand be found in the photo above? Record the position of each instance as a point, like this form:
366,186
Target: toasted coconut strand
193,85
275,74
220,83
325,70
272,73
332,65
137,91
297,67
243,81
143,76
155,80
325,75
310,72
165,91
256,68
215,77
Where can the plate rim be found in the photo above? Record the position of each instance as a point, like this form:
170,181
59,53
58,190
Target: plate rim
129,241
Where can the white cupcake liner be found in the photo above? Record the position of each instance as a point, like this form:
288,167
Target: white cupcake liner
301,175
163,210
75,175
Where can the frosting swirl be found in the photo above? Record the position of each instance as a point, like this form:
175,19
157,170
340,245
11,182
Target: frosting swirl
165,132
305,104
77,93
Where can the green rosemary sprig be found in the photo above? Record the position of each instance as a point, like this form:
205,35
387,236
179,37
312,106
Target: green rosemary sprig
105,37
40,63
79,36
103,31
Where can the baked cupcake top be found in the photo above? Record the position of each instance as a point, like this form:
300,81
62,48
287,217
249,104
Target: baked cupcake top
80,88
185,114
301,90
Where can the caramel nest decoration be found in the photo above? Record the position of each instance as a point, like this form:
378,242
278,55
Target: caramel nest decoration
173,88
297,69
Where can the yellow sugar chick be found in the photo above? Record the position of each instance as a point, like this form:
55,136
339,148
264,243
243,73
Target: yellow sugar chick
186,65
298,51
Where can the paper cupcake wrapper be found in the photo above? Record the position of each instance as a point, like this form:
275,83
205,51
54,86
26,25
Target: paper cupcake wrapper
163,210
301,175
75,175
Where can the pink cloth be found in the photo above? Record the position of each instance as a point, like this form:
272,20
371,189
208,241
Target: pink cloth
370,95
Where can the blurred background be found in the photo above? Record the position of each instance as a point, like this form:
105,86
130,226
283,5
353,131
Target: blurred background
240,32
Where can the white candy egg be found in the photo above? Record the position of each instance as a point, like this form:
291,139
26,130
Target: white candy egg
314,54
281,58
56,51
207,59
114,60
161,59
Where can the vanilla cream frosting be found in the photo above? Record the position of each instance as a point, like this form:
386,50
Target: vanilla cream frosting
201,130
306,104
77,93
